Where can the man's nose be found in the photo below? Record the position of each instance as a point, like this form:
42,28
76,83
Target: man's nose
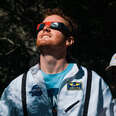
46,28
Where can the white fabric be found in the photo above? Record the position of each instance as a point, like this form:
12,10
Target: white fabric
112,62
100,103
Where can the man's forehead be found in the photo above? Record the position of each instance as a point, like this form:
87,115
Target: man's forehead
55,18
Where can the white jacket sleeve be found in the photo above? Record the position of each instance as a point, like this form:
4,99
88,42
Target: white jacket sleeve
114,104
3,108
101,101
108,103
5,105
10,102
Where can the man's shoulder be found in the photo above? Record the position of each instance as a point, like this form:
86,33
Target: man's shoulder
95,76
94,73
15,83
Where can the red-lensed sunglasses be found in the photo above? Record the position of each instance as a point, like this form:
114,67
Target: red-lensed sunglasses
54,25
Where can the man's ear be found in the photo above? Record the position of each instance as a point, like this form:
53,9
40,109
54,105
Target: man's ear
70,41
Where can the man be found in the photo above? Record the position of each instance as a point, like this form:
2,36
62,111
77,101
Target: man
111,71
57,86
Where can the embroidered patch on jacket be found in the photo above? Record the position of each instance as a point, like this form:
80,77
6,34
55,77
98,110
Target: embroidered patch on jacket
74,86
36,91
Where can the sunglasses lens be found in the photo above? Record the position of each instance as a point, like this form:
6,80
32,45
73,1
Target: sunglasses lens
54,25
41,26
60,26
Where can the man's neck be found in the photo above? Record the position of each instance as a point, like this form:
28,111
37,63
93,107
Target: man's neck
51,65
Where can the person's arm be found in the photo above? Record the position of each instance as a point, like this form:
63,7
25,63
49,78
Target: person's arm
108,104
5,105
10,101
3,109
101,100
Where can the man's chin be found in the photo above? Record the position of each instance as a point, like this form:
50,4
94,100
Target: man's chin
47,46
43,45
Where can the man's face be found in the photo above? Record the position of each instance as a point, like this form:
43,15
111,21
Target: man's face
51,37
113,72
113,83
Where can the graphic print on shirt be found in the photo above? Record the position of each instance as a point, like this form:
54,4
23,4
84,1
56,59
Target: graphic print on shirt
52,94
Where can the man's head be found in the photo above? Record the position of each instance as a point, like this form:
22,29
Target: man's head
55,28
112,68
111,71
60,12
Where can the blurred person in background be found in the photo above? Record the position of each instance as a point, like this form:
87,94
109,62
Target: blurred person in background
111,71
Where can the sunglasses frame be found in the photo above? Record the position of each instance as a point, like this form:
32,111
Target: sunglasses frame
54,25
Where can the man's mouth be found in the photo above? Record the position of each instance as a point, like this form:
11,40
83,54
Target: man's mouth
45,35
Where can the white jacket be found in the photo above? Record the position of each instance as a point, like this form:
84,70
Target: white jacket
100,103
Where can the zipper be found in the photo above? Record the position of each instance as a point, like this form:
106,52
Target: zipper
67,79
67,109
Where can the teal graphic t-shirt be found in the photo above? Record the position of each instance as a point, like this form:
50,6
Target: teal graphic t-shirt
53,82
